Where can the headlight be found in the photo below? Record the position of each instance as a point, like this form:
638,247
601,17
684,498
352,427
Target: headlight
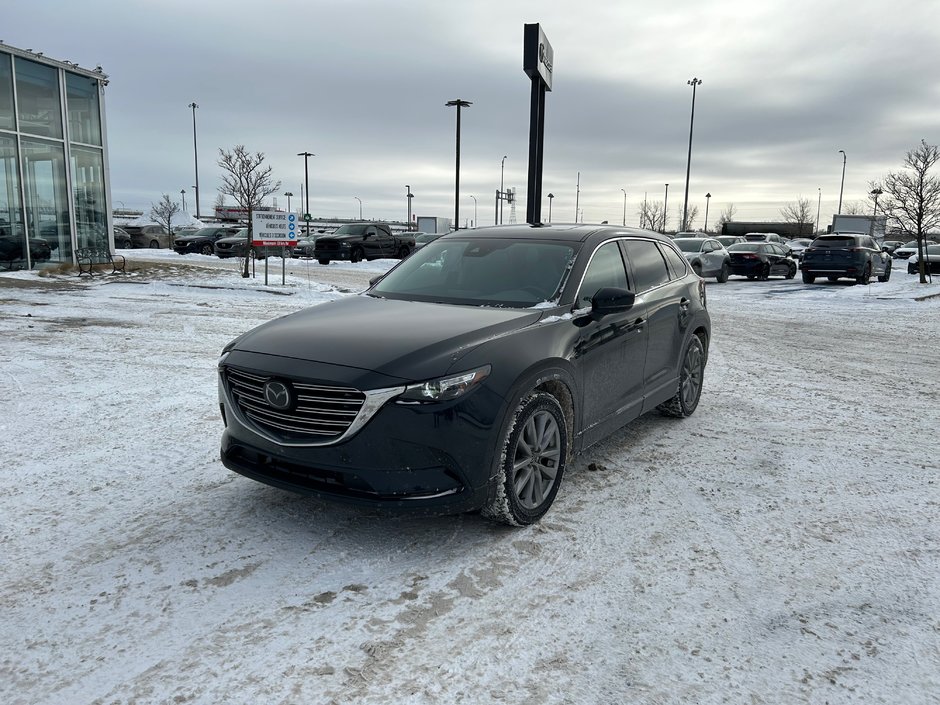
344,245
444,388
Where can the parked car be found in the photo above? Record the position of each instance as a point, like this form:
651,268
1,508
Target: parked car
363,241
931,258
707,256
890,246
235,245
305,247
687,233
202,241
797,245
122,239
839,255
908,249
761,260
13,253
149,236
728,240
422,239
763,237
504,351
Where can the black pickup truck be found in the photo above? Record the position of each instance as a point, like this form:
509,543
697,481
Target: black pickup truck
363,241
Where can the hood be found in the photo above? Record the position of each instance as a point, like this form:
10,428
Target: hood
404,339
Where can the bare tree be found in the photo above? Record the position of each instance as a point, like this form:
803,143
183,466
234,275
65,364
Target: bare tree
651,215
692,215
856,208
727,216
219,202
800,214
247,181
162,212
912,197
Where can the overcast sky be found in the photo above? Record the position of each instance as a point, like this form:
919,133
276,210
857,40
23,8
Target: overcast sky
362,84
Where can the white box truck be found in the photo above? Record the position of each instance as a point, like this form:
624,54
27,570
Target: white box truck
433,224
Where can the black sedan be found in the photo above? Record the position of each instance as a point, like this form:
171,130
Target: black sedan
466,377
761,260
201,241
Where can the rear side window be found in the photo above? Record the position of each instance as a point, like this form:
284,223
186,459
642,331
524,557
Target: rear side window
677,263
649,267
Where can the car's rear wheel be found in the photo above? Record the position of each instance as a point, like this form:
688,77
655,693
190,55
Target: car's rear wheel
531,462
765,273
323,260
887,275
691,375
155,245
724,273
356,255
697,268
832,278
865,276
808,278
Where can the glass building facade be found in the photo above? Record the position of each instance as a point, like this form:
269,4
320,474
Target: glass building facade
54,190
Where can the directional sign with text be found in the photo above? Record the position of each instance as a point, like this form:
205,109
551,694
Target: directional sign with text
273,228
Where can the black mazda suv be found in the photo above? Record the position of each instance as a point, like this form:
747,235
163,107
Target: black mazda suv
469,375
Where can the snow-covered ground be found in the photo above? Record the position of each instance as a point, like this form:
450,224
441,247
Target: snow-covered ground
780,546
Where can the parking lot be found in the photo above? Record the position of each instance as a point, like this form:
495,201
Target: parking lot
781,545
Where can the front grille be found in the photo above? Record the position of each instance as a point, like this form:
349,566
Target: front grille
328,246
317,413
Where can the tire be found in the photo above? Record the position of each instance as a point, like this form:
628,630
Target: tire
323,260
808,278
205,250
403,252
865,278
887,275
356,255
792,271
531,462
765,273
691,375
832,278
752,276
155,245
697,268
724,273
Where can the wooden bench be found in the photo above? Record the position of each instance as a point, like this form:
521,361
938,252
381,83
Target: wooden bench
89,258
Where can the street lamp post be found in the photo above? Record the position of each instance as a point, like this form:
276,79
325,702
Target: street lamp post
183,194
688,167
841,186
818,205
665,203
360,206
306,156
474,210
457,103
502,168
409,195
624,207
708,198
288,194
577,197
551,196
875,192
194,105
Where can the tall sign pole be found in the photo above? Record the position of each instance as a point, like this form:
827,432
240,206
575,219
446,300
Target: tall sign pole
538,64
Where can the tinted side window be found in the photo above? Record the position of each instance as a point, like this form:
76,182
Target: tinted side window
676,262
649,267
606,269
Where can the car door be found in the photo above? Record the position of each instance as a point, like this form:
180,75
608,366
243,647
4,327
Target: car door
666,312
610,352
712,256
778,259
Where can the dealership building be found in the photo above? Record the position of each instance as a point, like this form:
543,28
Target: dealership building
54,190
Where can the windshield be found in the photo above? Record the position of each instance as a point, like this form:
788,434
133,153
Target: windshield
688,245
480,272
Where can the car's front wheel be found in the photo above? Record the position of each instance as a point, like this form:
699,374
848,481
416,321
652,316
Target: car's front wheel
691,375
356,255
531,462
808,278
724,273
154,245
791,272
206,249
323,260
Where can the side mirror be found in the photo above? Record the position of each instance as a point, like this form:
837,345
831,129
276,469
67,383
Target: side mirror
611,299
375,280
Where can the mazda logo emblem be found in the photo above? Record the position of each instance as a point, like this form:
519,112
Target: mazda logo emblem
277,394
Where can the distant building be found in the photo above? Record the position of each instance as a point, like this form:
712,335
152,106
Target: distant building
786,230
54,189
